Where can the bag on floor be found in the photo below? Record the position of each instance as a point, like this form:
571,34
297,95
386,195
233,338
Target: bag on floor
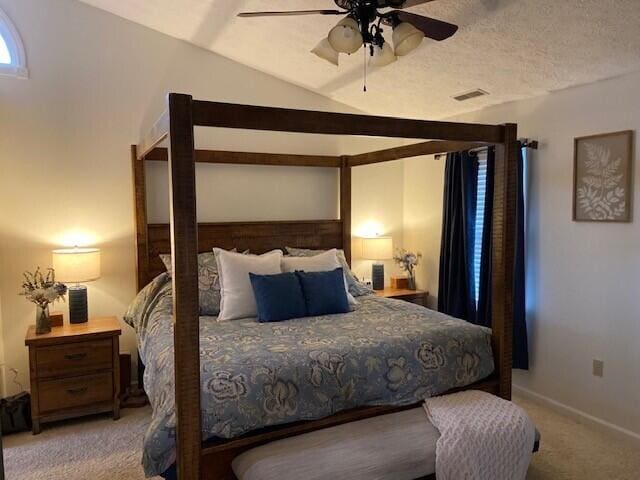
15,413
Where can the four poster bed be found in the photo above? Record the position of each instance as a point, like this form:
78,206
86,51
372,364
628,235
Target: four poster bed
185,238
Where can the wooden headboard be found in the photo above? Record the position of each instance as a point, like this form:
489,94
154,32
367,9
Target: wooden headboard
258,237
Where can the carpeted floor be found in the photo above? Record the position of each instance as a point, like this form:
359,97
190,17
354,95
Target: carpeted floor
93,448
571,450
101,449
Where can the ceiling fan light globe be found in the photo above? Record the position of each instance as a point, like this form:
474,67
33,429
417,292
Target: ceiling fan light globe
345,37
382,56
326,52
406,38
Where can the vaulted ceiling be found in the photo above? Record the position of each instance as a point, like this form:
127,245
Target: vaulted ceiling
512,49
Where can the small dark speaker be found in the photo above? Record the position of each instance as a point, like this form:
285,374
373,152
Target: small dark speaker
377,276
78,311
125,374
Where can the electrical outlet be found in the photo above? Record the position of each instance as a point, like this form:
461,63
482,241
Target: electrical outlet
598,368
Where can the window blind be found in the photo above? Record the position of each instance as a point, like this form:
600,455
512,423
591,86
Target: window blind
479,223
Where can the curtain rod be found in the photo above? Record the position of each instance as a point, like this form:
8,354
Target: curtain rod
526,143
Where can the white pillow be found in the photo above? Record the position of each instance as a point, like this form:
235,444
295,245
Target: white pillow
318,263
237,299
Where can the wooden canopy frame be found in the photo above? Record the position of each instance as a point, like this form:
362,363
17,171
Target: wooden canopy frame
184,238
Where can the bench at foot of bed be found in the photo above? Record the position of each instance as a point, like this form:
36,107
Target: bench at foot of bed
397,446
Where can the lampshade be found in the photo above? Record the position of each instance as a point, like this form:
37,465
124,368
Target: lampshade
382,56
325,51
406,38
76,265
345,37
377,248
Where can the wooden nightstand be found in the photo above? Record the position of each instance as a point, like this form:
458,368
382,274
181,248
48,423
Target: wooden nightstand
419,297
75,370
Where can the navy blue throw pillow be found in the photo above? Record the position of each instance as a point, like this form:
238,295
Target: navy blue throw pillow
278,297
324,292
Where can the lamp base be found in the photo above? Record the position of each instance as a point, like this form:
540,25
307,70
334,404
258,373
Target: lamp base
377,276
78,310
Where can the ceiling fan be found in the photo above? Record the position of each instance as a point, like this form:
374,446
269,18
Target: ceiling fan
363,25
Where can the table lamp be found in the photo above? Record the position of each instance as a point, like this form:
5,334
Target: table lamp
75,265
377,248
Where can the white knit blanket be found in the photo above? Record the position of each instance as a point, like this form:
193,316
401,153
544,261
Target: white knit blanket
481,437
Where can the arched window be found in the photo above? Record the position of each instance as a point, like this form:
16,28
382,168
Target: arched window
12,57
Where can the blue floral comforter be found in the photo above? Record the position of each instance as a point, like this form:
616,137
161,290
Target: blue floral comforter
254,375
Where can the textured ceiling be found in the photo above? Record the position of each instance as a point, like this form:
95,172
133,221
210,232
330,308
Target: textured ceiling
513,49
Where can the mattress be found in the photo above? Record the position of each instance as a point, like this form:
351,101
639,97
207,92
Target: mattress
256,375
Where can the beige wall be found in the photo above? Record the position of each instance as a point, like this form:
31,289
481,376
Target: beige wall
582,278
65,174
378,209
423,195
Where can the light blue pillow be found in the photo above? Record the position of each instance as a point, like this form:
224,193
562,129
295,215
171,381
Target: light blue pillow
208,282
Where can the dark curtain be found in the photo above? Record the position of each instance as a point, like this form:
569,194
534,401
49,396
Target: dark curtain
456,284
520,342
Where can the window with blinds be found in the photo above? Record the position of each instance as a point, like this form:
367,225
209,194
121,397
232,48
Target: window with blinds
12,57
480,210
479,229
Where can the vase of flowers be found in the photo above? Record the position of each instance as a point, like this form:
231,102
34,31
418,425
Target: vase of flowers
408,261
42,290
43,321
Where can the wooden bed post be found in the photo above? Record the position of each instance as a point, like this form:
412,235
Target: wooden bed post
142,234
345,206
142,231
184,250
503,255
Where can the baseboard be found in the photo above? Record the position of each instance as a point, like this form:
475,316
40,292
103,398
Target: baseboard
579,415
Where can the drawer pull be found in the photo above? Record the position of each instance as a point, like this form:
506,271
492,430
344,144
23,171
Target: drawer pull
76,391
75,356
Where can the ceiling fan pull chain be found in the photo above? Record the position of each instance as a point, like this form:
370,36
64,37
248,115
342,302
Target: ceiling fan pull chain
364,88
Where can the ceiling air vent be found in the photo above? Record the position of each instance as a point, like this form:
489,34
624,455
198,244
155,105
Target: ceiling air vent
469,95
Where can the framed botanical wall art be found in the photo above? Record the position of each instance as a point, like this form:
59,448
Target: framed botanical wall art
602,177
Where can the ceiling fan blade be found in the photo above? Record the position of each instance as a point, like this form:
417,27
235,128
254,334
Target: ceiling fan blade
291,13
401,3
432,28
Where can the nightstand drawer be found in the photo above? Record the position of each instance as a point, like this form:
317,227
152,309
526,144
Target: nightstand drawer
417,299
74,358
75,392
